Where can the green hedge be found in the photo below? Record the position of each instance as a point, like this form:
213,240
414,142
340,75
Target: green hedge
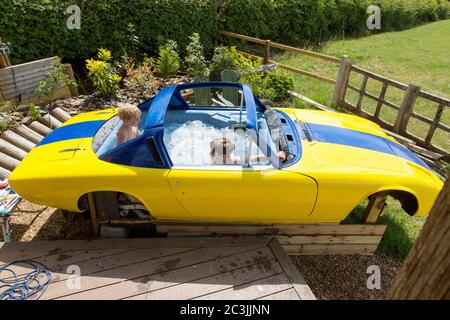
37,28
304,22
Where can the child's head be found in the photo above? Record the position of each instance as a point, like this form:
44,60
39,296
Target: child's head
221,147
129,114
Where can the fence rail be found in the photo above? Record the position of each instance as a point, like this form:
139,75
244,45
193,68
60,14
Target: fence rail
405,112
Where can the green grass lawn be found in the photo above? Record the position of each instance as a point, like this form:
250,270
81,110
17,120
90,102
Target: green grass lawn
418,56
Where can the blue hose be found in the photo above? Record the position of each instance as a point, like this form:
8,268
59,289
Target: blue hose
25,286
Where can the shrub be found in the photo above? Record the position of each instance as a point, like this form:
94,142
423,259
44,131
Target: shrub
168,62
102,75
276,85
195,62
141,77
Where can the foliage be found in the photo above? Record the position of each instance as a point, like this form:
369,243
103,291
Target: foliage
309,22
37,28
224,58
102,74
141,76
195,62
168,62
276,85
56,76
34,112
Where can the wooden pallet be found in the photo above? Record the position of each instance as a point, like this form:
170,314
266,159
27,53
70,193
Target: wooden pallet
296,239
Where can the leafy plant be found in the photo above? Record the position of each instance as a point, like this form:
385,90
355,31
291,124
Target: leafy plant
101,73
47,87
35,112
195,59
224,58
141,76
168,62
276,86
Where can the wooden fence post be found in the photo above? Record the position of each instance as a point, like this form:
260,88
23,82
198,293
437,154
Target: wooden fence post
342,81
404,113
266,52
4,58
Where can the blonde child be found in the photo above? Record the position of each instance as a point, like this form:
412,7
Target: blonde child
130,116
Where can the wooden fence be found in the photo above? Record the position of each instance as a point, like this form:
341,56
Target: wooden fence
405,112
19,82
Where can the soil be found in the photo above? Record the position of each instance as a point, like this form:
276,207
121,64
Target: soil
329,276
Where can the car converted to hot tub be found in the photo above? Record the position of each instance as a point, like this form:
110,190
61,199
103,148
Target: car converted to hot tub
333,162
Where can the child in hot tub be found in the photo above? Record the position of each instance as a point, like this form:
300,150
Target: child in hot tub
221,150
130,116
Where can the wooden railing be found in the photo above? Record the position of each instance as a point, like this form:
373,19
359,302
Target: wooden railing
405,111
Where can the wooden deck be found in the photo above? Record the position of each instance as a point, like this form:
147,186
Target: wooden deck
165,268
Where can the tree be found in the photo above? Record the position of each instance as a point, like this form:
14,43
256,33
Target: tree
425,274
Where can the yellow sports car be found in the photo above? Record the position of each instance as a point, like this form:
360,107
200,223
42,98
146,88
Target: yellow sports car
279,165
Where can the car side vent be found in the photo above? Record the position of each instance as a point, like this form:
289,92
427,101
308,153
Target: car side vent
155,153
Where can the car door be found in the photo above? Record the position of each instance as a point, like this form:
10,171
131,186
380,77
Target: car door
244,194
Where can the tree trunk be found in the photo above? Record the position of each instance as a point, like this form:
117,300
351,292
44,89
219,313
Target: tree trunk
425,274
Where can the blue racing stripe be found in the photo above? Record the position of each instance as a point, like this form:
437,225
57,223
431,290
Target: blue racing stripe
358,139
73,131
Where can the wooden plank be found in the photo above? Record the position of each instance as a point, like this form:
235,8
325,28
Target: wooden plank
375,76
329,239
437,118
277,229
11,150
291,272
40,128
373,97
375,207
252,290
304,249
380,100
24,67
17,140
289,294
28,134
147,266
199,289
65,245
362,91
429,96
311,102
183,273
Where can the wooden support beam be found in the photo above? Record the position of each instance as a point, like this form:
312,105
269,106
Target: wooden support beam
17,140
409,99
375,207
93,211
266,56
342,81
11,150
50,121
28,134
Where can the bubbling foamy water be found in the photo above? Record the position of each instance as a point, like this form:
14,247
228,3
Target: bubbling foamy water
189,143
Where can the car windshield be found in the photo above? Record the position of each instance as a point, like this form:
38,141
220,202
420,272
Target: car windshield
105,138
